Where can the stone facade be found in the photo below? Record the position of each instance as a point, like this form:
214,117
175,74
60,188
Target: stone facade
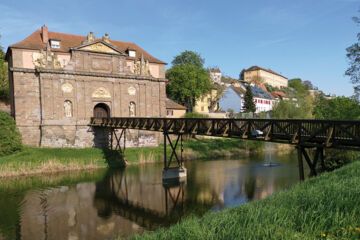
55,90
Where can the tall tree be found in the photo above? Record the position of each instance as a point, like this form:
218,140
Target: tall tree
249,100
189,58
4,82
241,75
188,79
353,55
340,108
257,80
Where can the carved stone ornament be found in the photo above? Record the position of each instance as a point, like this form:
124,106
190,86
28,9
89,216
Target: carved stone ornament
132,109
46,60
101,93
67,88
142,67
39,59
99,47
131,91
68,108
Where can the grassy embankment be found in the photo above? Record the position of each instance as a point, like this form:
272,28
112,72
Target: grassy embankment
325,207
33,160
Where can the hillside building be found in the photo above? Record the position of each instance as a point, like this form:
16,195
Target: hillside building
268,76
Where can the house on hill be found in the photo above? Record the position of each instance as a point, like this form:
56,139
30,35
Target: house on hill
268,76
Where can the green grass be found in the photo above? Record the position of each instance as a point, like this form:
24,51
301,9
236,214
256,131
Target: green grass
32,160
325,207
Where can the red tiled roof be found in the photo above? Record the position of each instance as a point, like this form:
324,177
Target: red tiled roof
68,41
170,104
278,93
255,68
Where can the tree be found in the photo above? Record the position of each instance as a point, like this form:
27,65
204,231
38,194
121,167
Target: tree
257,80
4,82
353,55
10,138
340,108
241,75
189,58
249,100
214,102
188,79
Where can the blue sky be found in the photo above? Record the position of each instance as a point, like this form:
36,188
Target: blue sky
297,38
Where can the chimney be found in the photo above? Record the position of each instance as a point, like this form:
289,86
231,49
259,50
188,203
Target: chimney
44,34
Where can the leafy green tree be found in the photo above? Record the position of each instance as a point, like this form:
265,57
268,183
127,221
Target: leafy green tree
353,55
189,58
214,102
340,108
4,82
10,138
188,79
300,108
241,75
298,85
249,100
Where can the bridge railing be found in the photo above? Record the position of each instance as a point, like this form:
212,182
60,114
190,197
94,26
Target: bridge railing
331,133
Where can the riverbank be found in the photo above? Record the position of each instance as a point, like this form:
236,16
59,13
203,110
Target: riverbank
324,207
34,160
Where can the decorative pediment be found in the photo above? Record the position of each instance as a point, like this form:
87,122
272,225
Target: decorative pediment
101,93
99,46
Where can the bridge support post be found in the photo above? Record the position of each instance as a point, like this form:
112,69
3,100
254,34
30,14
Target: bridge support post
115,139
300,162
177,172
319,153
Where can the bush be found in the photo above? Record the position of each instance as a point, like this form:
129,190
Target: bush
195,115
10,138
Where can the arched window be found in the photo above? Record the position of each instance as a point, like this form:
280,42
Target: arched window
132,109
68,108
101,110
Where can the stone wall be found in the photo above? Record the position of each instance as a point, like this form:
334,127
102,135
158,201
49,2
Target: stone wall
44,119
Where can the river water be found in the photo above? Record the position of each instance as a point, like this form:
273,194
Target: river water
103,204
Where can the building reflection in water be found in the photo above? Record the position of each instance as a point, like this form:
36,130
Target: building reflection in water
134,200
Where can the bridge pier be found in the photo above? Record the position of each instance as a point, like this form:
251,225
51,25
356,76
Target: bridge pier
319,154
115,138
177,172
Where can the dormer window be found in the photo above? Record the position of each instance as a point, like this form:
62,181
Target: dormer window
54,43
132,53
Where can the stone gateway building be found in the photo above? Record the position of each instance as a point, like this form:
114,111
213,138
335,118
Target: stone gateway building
59,81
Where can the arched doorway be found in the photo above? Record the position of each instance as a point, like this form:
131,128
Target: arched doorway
101,110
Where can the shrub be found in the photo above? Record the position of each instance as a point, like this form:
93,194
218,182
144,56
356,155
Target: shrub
195,115
10,138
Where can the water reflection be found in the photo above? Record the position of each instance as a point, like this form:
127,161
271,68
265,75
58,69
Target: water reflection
134,200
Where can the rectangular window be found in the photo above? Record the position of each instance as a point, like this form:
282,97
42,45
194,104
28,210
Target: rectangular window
170,112
202,108
132,53
54,43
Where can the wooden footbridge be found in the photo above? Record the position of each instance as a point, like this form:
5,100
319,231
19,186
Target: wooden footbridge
304,134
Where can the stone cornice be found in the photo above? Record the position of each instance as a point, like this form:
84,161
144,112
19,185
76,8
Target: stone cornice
80,73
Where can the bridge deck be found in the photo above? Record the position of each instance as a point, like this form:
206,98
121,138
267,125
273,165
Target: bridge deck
310,133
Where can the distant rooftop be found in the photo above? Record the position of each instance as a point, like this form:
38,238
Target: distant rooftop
255,68
170,104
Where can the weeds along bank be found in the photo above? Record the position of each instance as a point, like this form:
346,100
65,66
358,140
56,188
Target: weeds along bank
324,207
32,160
